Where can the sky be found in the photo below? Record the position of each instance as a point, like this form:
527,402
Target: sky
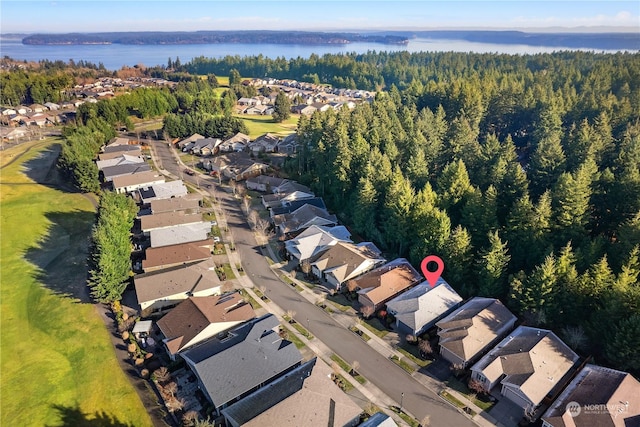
25,16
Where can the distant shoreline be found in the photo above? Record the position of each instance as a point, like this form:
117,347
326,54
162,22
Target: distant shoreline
212,37
606,41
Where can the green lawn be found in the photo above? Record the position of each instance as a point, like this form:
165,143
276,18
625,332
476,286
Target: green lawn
259,125
57,357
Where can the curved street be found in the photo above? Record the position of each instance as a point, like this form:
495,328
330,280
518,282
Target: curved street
380,371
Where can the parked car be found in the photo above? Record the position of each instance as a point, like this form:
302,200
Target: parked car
189,172
216,239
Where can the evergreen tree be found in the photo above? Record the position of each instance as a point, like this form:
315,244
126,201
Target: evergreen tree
492,267
398,205
281,108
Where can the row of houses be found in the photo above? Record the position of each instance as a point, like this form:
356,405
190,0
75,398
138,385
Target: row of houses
248,373
532,366
266,143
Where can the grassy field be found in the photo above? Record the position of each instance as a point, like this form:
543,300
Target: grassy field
259,125
57,362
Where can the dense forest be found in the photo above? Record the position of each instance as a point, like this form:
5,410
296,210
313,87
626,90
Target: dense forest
521,172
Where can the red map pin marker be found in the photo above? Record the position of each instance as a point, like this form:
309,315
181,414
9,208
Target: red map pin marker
432,276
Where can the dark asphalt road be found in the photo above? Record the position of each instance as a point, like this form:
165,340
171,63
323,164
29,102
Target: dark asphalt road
384,374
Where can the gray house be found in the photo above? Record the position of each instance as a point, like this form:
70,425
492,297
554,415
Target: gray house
247,358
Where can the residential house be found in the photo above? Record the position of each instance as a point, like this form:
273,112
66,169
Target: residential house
263,183
197,319
205,146
305,109
248,102
183,143
244,169
418,309
379,285
249,357
189,203
37,108
259,110
266,143
165,190
121,145
175,255
161,290
119,150
52,106
123,159
35,119
130,183
288,187
11,134
289,144
288,225
290,206
597,396
167,220
473,328
321,107
304,397
9,111
117,142
110,172
314,241
345,261
277,200
530,364
21,109
237,142
185,233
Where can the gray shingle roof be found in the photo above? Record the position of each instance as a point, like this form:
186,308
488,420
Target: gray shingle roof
251,355
304,397
422,305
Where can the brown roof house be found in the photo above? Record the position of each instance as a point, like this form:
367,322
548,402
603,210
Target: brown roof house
162,220
163,289
189,203
111,152
418,309
303,397
199,318
597,396
530,363
472,329
345,261
383,283
175,255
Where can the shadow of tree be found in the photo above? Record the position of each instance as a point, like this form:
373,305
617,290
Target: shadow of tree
74,417
42,169
61,256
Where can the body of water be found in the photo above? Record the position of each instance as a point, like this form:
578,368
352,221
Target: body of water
115,56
